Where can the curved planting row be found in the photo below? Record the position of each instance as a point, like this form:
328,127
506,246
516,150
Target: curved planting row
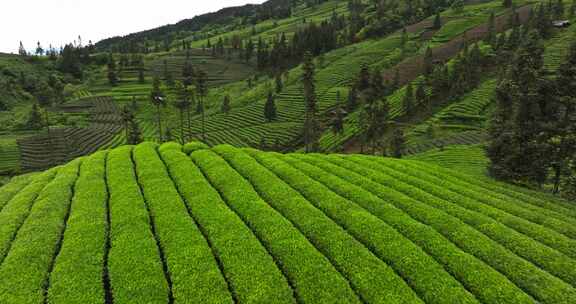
182,224
467,158
62,145
9,157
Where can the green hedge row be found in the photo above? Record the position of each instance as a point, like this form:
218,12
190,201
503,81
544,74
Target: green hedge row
18,208
558,209
354,260
517,207
25,271
420,271
78,269
246,264
192,267
500,210
487,284
452,203
134,264
8,191
537,282
311,275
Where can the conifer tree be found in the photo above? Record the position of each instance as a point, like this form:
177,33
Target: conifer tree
182,104
428,62
157,98
398,143
404,39
373,119
141,76
112,76
437,22
408,101
507,3
364,78
127,117
35,118
310,124
420,95
22,50
338,121
202,92
279,84
39,49
491,38
225,108
352,101
45,97
270,108
134,135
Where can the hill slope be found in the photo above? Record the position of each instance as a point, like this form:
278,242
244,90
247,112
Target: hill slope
173,224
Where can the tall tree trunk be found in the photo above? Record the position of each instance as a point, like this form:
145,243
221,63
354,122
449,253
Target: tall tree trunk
47,118
203,120
159,120
182,126
557,178
189,123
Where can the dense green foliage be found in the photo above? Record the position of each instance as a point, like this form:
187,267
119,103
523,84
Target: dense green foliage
173,223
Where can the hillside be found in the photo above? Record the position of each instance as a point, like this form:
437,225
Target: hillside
192,224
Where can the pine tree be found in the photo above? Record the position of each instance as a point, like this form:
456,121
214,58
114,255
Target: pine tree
270,108
373,119
338,121
279,84
398,143
491,38
22,50
428,62
396,80
158,100
420,96
507,3
39,49
225,108
514,151
408,101
377,84
127,117
112,76
404,39
310,124
437,22
352,101
141,76
45,97
134,135
182,104
202,92
34,118
364,78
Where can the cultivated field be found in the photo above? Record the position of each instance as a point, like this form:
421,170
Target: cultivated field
192,224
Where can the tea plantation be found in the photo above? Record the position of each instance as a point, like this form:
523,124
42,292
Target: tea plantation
192,224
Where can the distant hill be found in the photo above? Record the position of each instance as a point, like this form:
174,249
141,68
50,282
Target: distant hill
247,14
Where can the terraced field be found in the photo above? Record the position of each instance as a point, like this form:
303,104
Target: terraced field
64,144
9,156
469,159
173,224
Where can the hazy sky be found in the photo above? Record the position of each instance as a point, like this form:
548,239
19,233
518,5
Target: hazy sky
61,21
